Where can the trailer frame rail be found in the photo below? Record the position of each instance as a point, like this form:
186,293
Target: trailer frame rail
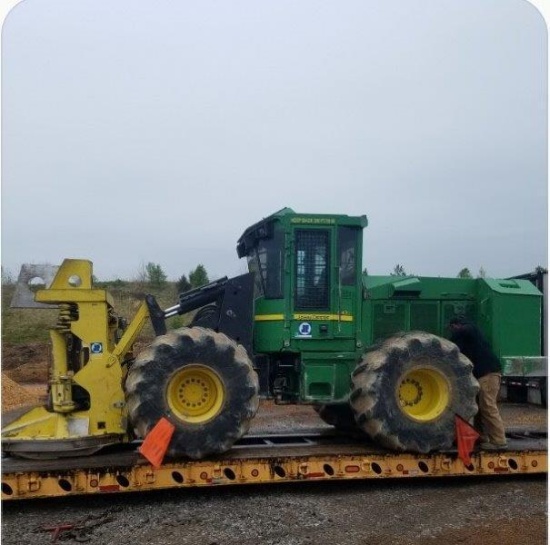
263,460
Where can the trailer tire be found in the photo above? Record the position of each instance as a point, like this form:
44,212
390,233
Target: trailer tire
340,416
202,382
407,390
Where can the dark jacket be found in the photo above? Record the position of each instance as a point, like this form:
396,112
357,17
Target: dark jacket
474,346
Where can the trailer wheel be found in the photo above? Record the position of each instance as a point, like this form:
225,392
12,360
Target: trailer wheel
202,382
407,391
340,416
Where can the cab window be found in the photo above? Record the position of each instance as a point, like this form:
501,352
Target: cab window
347,251
311,269
266,262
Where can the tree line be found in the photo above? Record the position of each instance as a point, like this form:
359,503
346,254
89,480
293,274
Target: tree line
399,270
154,275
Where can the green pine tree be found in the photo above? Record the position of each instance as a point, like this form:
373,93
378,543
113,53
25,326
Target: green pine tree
155,275
464,273
198,277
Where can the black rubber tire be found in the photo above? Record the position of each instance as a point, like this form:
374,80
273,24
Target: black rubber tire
340,416
147,390
375,401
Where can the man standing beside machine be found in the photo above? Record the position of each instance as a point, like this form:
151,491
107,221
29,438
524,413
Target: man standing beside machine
487,371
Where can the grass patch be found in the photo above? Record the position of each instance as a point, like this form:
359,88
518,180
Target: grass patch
22,326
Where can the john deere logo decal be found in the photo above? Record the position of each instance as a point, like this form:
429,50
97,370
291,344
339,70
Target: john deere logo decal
96,348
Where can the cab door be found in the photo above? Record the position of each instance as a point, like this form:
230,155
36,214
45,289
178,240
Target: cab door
346,291
312,271
325,282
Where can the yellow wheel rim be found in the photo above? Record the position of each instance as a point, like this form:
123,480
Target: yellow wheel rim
195,394
424,394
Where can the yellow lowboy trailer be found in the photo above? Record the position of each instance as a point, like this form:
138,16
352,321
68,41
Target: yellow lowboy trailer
262,459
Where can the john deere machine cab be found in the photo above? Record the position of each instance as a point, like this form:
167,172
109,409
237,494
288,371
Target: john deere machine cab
307,329
371,352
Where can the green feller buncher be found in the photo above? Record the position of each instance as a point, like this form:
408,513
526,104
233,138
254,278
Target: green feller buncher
305,325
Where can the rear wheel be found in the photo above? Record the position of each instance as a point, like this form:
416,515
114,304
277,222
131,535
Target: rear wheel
407,391
202,382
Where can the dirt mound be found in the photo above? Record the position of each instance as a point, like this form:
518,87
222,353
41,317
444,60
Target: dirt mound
15,355
27,363
14,395
31,373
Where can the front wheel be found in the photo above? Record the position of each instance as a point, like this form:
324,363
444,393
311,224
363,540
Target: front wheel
407,391
202,382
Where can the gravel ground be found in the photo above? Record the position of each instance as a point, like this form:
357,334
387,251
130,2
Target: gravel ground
491,511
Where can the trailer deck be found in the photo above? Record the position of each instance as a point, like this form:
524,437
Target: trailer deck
318,455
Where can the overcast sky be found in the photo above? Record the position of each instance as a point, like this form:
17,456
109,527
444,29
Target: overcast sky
137,131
